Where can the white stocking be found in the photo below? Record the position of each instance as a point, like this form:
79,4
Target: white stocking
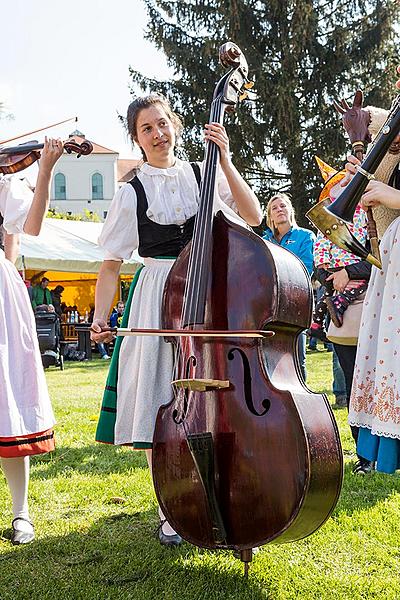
167,529
16,471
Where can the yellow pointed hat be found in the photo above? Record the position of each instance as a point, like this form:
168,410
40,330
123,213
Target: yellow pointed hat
330,176
326,170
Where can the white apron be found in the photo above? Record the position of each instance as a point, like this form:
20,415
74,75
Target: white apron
24,400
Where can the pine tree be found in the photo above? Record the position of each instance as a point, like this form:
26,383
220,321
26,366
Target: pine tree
301,54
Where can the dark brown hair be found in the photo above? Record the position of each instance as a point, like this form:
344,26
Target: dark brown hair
145,102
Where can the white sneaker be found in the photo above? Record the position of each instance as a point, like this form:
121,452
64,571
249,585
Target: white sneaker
105,357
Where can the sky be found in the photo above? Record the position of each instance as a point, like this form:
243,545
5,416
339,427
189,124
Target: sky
71,57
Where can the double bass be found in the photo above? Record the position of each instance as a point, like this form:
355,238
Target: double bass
244,454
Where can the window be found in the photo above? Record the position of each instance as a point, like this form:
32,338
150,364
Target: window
97,186
60,190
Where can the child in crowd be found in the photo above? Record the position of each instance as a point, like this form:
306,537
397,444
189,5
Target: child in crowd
329,259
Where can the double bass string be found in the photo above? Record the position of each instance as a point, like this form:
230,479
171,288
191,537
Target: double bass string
205,213
195,261
198,250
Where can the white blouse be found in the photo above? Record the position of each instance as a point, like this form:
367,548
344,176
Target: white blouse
172,197
15,201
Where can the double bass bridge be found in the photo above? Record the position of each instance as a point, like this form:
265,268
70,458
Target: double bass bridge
201,385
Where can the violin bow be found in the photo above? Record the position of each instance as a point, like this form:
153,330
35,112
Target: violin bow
215,333
37,130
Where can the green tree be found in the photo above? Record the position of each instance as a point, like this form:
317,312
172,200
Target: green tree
301,54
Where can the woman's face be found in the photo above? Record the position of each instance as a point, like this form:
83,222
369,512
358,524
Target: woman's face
156,136
279,211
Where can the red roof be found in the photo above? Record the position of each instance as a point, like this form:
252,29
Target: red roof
127,168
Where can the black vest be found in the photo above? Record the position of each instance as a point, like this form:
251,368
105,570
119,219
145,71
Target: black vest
161,240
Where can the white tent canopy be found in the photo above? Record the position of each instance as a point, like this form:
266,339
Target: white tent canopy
69,246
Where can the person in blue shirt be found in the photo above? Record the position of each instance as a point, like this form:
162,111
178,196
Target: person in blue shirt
283,230
117,314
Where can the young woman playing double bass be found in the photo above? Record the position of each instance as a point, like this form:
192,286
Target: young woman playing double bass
26,416
154,213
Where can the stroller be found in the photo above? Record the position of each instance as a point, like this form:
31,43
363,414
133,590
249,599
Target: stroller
49,331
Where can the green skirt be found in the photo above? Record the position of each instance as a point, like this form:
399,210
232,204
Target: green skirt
108,412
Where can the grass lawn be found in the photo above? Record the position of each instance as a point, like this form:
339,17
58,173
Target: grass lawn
95,515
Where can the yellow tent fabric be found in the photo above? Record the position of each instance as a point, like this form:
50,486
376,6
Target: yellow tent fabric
79,288
66,252
69,246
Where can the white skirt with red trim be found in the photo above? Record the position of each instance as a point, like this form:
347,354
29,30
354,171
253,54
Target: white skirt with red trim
26,415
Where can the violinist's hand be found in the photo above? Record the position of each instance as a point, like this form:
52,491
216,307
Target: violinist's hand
351,169
52,150
216,132
379,193
95,332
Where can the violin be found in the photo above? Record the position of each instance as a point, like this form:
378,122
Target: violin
17,158
244,454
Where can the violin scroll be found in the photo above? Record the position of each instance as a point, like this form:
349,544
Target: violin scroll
84,148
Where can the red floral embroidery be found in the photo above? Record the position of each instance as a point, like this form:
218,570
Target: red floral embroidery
379,403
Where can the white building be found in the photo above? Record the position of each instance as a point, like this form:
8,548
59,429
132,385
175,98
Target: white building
89,182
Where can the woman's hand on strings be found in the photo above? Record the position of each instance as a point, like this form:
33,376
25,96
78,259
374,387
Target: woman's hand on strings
96,334
52,150
215,132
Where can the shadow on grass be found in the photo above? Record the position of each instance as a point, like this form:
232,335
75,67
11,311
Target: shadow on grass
363,492
358,492
120,557
92,459
79,366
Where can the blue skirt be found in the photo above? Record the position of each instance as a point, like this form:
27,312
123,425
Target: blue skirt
384,451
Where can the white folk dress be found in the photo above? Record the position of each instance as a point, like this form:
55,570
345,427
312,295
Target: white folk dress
146,363
375,396
26,416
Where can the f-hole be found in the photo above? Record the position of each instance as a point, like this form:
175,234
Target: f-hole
179,414
247,384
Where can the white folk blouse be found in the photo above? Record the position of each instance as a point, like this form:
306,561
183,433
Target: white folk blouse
172,196
15,201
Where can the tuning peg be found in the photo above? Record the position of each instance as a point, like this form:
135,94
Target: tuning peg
243,96
249,85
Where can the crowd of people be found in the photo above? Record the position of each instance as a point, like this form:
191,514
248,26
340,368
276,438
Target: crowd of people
155,213
45,300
